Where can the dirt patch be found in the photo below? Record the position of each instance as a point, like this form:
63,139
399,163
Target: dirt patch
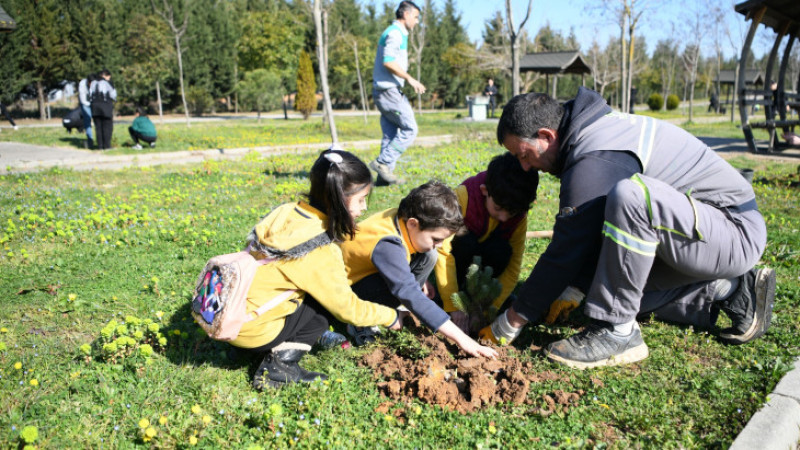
463,383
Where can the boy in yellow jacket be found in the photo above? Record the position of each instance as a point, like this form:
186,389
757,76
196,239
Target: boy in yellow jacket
394,252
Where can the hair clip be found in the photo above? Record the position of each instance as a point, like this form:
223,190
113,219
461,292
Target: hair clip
333,158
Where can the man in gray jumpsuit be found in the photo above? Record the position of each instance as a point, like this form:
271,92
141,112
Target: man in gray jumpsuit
390,74
651,221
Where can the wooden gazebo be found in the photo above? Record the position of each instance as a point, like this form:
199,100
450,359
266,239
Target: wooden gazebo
7,23
726,79
555,63
783,16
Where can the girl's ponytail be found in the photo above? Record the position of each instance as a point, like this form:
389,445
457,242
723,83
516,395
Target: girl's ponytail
335,176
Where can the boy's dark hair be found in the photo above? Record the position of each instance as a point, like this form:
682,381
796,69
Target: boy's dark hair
524,115
141,111
405,5
511,187
434,205
333,179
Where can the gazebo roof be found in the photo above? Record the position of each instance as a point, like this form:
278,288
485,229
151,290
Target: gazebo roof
554,62
752,76
778,11
7,24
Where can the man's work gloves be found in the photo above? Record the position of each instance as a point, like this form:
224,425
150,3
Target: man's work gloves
570,299
500,331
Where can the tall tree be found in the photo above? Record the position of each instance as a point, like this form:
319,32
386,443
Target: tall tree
271,39
148,50
42,30
306,99
665,59
321,26
167,13
513,34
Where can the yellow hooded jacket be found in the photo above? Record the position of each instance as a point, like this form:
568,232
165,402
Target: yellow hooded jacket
319,273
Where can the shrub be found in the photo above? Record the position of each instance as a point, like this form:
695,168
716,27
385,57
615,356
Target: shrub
198,100
306,100
655,102
672,102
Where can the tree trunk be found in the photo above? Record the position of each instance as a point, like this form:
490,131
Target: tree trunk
623,65
40,99
158,99
735,87
320,23
180,77
513,33
361,92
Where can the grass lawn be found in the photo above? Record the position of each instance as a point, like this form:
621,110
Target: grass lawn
245,133
79,249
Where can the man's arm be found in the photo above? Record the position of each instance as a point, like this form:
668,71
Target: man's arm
395,68
576,234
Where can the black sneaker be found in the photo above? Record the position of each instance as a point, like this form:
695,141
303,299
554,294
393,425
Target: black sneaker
596,346
750,307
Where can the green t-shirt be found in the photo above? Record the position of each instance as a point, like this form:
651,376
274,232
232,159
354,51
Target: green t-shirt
143,125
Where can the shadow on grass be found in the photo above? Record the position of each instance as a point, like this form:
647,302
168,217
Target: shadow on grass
77,141
189,344
301,174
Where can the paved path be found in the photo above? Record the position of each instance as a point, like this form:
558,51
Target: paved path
775,426
22,158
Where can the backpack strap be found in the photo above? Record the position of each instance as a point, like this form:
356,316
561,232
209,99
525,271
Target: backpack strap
280,298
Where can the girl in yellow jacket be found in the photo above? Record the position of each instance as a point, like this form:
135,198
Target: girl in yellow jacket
302,238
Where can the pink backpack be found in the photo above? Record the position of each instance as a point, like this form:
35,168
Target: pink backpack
219,304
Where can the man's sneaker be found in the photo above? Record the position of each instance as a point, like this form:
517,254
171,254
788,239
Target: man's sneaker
750,307
384,172
331,339
16,127
137,147
363,335
152,145
596,346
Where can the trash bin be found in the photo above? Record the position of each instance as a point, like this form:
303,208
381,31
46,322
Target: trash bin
477,107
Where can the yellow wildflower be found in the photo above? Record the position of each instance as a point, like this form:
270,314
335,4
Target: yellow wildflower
196,409
192,440
18,365
162,420
34,382
206,419
144,423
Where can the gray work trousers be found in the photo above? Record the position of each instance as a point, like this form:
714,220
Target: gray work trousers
397,123
663,251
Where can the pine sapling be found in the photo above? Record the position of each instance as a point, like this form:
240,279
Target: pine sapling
480,290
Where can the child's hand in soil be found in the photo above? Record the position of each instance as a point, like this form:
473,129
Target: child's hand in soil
398,325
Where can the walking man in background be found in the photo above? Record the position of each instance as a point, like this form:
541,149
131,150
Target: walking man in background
491,91
389,76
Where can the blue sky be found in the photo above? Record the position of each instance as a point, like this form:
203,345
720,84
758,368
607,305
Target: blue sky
586,18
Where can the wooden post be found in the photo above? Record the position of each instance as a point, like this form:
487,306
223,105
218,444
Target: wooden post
756,16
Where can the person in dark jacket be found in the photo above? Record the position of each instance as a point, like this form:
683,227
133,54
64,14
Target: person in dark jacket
491,91
142,128
651,221
103,95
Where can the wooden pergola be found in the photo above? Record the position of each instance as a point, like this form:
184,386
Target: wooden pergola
555,63
783,16
7,23
727,79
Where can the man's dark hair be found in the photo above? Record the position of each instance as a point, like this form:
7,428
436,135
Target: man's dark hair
526,114
141,111
434,205
105,73
511,187
405,5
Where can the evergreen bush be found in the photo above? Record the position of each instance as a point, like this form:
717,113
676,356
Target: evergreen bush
655,102
672,102
306,99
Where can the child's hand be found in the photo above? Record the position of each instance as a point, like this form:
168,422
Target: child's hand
475,349
398,325
461,319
